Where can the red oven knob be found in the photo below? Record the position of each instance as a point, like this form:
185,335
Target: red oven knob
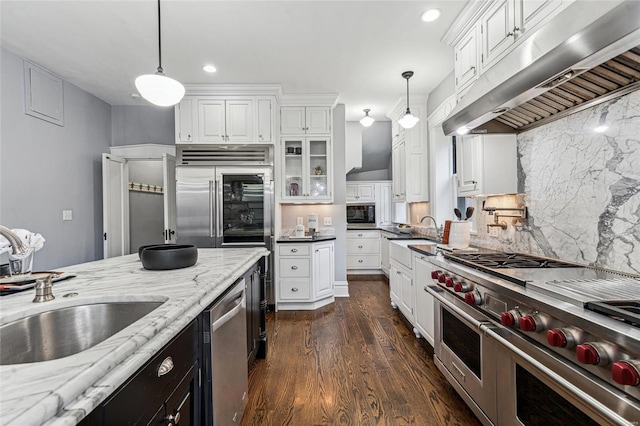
434,274
462,287
591,354
509,319
626,372
441,277
448,282
473,298
556,337
529,323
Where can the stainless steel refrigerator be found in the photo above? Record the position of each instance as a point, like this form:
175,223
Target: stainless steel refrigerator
226,206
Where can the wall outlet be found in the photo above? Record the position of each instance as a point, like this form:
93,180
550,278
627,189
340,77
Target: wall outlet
67,214
299,221
494,231
327,221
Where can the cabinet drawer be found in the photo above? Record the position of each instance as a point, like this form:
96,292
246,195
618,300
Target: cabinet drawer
363,234
293,249
363,246
365,261
292,289
293,268
146,388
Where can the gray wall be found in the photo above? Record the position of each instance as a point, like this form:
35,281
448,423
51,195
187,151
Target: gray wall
376,153
133,125
340,192
45,168
438,95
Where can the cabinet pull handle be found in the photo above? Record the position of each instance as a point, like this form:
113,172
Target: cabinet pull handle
165,366
359,235
516,29
294,267
294,289
510,34
359,246
294,250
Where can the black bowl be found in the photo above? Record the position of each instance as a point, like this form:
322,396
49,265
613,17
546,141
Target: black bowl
169,256
150,245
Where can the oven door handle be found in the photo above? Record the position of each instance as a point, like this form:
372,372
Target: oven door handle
465,316
574,390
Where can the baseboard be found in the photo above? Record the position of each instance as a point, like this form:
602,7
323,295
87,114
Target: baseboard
341,289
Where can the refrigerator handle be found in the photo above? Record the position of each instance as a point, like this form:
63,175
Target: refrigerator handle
212,208
218,206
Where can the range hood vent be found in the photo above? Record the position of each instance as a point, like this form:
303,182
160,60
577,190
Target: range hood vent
220,155
574,70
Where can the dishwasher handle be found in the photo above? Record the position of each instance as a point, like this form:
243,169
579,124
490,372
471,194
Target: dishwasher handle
238,304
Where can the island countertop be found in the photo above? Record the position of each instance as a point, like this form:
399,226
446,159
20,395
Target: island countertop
65,390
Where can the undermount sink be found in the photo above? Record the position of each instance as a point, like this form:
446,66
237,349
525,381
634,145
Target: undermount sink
67,331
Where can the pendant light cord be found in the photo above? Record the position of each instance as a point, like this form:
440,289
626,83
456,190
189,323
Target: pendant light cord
160,70
408,111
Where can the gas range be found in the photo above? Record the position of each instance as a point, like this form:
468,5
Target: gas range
586,317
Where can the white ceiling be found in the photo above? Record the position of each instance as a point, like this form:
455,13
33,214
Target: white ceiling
355,48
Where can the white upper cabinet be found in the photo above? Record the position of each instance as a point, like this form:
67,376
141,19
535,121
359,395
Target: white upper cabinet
226,120
307,175
361,192
467,60
497,31
486,164
296,120
530,13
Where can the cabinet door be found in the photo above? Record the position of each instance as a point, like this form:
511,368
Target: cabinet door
384,252
394,285
469,158
323,266
294,169
398,172
292,120
318,120
352,192
211,121
366,192
184,121
239,121
530,13
424,306
406,294
264,120
383,205
466,59
319,169
497,31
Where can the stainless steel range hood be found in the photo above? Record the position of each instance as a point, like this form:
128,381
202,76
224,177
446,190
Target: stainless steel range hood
556,71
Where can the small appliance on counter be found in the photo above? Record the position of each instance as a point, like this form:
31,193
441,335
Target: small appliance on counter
312,222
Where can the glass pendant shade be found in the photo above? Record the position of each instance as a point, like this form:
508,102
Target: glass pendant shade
367,120
409,120
159,89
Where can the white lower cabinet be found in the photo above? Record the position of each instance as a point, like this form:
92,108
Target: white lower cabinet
305,275
363,250
401,285
424,303
384,251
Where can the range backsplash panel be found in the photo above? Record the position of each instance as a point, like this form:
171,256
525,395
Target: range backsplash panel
582,189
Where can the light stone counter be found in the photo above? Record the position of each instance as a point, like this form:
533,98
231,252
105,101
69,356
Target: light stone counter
64,391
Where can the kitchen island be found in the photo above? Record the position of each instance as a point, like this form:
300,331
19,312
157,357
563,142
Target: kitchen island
63,391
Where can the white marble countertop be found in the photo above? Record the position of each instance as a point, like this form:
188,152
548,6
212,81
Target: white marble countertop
65,390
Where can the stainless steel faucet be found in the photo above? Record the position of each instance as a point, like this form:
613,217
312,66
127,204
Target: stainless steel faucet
439,231
21,256
44,289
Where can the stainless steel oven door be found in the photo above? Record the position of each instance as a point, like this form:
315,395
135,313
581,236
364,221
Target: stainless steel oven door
464,354
537,388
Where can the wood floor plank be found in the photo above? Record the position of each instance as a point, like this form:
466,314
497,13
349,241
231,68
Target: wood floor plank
355,362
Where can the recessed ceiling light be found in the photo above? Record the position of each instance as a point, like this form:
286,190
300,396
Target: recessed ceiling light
209,68
431,15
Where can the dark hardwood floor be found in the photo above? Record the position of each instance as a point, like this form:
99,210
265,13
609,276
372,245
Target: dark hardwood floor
354,362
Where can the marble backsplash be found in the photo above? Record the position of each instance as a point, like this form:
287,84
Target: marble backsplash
581,187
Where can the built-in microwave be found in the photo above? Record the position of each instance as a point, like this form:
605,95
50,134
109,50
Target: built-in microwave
361,213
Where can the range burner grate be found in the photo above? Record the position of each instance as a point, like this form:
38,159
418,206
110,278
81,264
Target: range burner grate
509,261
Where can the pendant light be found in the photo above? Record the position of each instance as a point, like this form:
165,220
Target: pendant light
367,120
409,120
158,88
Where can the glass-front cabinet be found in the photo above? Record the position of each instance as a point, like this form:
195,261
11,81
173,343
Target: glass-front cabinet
307,169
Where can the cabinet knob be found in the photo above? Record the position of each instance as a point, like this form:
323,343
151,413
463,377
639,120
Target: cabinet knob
510,34
359,235
398,272
516,29
294,267
359,246
165,367
359,260
472,68
294,250
171,418
260,136
294,289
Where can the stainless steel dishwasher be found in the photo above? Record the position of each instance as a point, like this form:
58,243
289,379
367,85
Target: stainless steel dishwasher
225,373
